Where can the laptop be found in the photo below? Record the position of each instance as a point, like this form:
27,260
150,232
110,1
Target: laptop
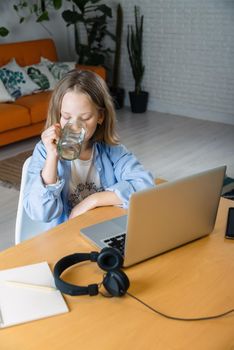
162,218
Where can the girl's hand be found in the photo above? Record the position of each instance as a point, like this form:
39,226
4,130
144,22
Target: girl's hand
50,138
87,204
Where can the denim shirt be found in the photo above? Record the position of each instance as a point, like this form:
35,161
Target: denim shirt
119,171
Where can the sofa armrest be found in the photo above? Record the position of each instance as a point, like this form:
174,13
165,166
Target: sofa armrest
97,69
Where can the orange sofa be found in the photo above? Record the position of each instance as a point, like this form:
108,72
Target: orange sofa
25,117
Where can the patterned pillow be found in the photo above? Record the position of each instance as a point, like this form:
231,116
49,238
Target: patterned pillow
4,94
41,75
58,69
16,81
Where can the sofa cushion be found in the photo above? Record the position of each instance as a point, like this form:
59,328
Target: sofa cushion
16,80
4,94
58,69
37,105
13,116
41,76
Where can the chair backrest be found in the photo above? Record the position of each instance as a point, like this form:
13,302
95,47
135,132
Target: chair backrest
26,228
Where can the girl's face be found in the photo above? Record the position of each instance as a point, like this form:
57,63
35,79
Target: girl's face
78,107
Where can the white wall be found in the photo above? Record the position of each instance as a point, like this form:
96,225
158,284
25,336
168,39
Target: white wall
188,56
188,53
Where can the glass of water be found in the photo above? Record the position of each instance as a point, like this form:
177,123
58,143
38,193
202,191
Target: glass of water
72,137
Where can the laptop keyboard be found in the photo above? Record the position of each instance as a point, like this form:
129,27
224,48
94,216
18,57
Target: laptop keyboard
117,242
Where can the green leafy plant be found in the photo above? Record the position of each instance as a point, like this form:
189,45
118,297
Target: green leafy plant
39,9
86,16
134,45
93,18
4,31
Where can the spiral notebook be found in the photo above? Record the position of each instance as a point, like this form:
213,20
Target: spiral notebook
29,293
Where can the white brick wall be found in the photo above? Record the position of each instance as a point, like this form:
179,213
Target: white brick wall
188,56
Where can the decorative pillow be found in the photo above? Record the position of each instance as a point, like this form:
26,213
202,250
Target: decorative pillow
16,80
4,94
58,69
41,75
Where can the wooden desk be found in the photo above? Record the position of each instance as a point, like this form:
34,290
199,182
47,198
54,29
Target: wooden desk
194,280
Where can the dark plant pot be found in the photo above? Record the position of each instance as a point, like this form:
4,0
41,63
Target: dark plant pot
118,97
138,101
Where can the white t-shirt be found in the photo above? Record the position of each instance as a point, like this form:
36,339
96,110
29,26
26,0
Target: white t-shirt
84,181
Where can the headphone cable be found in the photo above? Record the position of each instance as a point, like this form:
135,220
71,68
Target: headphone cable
180,318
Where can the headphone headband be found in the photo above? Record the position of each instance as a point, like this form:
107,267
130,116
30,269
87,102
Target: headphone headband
64,264
109,259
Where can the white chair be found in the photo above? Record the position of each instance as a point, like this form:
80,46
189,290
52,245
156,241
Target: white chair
26,228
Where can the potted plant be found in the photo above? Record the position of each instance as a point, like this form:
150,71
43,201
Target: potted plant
116,91
138,97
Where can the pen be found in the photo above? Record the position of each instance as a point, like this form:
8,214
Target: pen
1,318
30,285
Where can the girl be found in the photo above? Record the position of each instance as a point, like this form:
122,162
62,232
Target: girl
106,173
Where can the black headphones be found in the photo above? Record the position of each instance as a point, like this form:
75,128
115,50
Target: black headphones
115,280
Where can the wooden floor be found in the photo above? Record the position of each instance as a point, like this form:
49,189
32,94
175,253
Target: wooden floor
169,146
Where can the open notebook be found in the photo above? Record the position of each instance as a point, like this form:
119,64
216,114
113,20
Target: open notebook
28,293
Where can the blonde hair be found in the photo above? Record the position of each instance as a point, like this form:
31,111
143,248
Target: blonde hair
93,86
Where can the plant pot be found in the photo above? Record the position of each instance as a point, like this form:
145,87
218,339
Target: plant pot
138,101
118,97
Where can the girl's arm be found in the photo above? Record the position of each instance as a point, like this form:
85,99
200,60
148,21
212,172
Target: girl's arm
97,199
43,202
49,138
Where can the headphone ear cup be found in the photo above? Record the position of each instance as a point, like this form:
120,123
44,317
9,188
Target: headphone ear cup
116,283
109,259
